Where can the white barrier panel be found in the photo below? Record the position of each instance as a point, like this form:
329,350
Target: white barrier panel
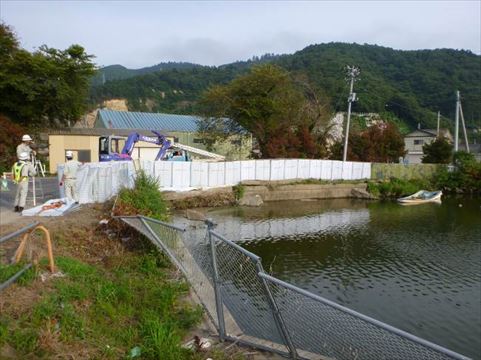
97,182
336,170
86,178
357,170
180,174
326,169
315,169
232,172
263,169
366,170
104,181
303,169
147,166
277,169
163,172
199,174
347,171
248,170
216,174
291,168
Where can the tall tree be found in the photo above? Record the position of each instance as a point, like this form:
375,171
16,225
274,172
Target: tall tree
272,106
46,87
381,142
440,151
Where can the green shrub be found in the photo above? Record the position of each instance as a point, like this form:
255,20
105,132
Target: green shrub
395,188
239,191
144,199
465,176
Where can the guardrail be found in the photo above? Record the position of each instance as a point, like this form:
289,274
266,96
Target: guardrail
250,307
26,231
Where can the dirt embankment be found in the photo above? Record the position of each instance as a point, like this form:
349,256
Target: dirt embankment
254,193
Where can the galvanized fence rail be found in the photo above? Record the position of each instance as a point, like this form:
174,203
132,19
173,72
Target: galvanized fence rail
11,236
249,306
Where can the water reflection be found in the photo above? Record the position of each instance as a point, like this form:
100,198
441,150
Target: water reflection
417,268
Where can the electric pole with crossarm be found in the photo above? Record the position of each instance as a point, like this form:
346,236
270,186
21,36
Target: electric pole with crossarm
352,73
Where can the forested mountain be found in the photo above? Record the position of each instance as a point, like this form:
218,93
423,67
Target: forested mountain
413,85
119,72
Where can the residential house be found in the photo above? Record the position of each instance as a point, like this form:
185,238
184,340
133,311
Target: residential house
415,140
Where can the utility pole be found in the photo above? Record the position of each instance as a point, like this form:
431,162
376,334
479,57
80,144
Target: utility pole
352,73
464,127
439,118
456,124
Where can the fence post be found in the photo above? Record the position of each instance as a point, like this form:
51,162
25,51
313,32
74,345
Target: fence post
281,326
215,273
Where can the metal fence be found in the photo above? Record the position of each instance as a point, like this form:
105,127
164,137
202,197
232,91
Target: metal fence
6,253
249,306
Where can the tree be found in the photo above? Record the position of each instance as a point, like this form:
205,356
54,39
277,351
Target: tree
440,151
272,106
381,142
46,87
10,133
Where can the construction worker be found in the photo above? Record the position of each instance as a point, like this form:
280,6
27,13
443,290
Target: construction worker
21,170
70,177
25,146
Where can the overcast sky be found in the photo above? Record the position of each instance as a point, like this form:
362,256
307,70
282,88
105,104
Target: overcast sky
143,33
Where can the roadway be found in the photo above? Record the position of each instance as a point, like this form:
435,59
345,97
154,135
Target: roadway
46,189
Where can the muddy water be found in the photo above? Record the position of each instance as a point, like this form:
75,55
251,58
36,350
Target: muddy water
417,268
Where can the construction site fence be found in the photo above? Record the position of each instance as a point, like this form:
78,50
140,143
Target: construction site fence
251,307
97,182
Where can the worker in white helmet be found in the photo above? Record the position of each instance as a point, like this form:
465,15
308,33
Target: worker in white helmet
25,146
21,170
69,177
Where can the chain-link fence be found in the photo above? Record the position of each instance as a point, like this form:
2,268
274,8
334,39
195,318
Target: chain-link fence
251,307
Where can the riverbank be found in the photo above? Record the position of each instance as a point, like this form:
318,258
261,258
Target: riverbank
256,192
112,297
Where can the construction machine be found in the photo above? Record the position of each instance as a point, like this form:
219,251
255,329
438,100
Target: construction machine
109,148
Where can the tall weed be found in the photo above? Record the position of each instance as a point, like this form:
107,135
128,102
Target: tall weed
144,199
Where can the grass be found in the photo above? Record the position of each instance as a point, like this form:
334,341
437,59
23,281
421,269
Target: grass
133,303
395,188
144,199
7,271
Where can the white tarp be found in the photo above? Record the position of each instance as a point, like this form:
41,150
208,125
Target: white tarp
51,208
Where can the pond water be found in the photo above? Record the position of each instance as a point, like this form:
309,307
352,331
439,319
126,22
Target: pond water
414,267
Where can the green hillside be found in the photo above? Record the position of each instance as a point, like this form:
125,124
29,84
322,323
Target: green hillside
119,72
413,85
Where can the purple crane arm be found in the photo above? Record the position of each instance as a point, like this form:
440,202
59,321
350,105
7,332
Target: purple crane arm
158,139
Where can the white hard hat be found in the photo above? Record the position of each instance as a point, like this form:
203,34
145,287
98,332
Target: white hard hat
26,138
69,153
23,156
